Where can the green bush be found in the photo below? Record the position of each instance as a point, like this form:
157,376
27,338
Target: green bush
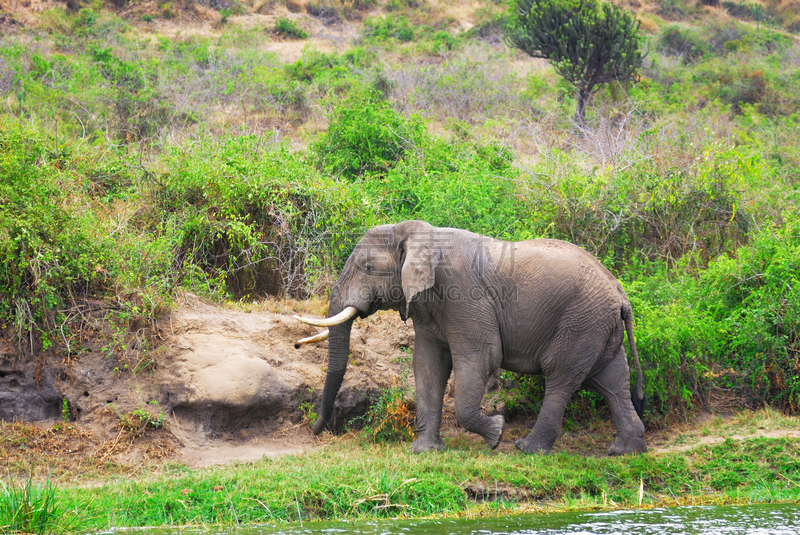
366,136
391,416
643,211
735,37
731,332
754,300
673,9
686,43
251,219
456,184
390,27
140,110
50,255
330,73
288,28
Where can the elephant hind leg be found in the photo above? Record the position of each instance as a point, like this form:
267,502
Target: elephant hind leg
566,363
613,383
548,422
470,385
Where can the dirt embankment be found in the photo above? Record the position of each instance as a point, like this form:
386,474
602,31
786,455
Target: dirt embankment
214,384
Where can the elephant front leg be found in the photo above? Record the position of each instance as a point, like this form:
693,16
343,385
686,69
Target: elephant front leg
432,367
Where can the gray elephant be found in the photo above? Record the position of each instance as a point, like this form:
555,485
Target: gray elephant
478,304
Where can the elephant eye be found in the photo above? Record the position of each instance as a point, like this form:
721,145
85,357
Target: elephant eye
368,268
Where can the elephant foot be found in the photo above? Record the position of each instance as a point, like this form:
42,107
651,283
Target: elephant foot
423,444
319,425
628,446
494,430
530,445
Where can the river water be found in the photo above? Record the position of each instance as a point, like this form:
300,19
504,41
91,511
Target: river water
728,520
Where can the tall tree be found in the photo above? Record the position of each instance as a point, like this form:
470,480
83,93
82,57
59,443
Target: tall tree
588,42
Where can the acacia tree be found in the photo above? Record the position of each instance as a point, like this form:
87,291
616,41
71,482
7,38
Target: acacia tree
588,42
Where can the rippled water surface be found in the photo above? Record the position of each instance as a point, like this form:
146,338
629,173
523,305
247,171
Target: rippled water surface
747,520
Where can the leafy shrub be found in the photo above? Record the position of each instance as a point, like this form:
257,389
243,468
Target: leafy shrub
231,10
138,421
728,337
391,26
49,256
745,87
522,395
253,219
167,10
89,22
754,300
365,136
442,41
329,72
457,184
489,25
140,110
661,214
737,37
740,10
391,417
672,9
686,43
288,28
519,393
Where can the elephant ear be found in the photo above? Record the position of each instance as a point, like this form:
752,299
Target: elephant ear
419,255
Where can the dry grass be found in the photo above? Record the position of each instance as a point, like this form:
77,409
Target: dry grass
71,452
313,306
713,428
472,85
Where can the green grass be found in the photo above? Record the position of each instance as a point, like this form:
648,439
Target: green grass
352,481
34,508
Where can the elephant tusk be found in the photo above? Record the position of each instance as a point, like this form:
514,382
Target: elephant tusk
339,318
311,339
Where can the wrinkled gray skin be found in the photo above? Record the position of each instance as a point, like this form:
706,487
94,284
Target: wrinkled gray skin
478,304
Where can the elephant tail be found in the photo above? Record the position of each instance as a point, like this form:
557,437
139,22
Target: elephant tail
637,397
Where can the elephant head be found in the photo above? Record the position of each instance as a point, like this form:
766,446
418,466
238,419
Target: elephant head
389,267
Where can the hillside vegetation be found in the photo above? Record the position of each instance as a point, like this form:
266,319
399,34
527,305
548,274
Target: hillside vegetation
147,150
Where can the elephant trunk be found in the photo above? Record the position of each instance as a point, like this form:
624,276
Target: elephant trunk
338,351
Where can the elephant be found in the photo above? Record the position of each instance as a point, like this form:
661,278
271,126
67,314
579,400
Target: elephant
540,306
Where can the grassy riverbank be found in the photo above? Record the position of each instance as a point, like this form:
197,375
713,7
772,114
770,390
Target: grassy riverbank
749,458
343,482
